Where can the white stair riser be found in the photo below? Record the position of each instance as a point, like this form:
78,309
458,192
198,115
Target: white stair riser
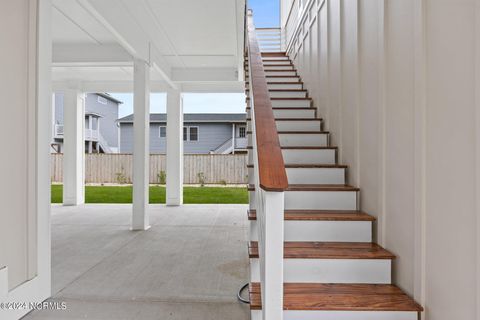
297,139
281,86
341,315
285,67
295,125
288,94
291,103
269,62
316,175
280,73
307,139
310,175
371,271
318,231
321,200
326,156
299,125
275,67
289,113
283,79
275,58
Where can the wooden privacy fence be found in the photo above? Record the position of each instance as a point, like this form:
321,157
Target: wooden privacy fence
117,168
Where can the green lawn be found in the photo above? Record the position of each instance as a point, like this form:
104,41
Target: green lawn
191,195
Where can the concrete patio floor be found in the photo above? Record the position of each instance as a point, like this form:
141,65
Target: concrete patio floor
189,265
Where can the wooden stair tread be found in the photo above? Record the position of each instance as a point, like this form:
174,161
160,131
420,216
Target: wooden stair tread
320,215
293,119
311,166
302,148
298,132
289,108
338,297
288,98
315,187
328,250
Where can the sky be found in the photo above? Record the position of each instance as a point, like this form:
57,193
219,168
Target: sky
266,14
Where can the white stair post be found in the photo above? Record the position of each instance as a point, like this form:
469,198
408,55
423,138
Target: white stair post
73,147
141,147
174,148
271,252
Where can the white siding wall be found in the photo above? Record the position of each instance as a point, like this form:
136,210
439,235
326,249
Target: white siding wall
25,189
397,82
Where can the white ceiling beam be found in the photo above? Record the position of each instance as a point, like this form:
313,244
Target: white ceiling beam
204,74
155,86
116,18
90,55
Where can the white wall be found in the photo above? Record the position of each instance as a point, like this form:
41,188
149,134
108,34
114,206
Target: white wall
25,189
398,84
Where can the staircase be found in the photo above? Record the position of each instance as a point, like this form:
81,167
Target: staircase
331,268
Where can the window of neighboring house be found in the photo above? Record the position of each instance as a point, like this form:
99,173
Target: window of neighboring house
242,132
190,133
102,100
163,132
193,134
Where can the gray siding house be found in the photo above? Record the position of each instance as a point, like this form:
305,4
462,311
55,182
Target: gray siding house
101,129
203,133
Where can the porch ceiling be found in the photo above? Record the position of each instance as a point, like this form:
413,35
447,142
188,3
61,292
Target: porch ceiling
184,41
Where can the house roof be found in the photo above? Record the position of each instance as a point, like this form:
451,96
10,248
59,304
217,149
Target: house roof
193,117
109,97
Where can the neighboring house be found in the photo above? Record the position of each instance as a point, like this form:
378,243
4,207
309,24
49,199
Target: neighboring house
101,130
220,133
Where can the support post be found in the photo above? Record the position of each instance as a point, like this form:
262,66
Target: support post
141,145
174,148
74,148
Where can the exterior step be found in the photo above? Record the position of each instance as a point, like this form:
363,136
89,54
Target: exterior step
295,93
305,155
321,225
278,73
330,262
286,93
283,67
292,124
316,197
304,138
310,173
284,85
283,79
341,302
277,62
291,113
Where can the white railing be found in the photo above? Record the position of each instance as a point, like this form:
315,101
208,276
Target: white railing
241,143
91,135
270,39
224,148
270,181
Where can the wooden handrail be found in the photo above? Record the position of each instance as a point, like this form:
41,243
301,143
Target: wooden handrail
271,168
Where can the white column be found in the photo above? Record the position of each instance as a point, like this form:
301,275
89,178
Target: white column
141,144
174,148
90,127
73,147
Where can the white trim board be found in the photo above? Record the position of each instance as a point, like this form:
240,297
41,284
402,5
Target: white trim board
3,281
